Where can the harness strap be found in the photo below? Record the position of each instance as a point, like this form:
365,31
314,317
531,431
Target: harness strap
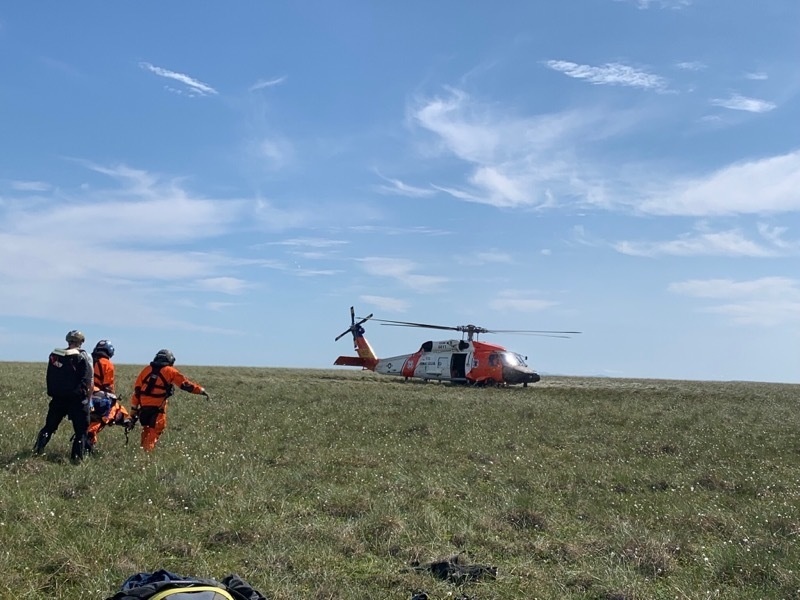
153,383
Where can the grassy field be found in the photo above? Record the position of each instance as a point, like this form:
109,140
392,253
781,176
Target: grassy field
318,484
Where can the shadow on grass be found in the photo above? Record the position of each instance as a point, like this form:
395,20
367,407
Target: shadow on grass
26,460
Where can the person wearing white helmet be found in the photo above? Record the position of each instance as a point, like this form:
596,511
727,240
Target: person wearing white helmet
70,377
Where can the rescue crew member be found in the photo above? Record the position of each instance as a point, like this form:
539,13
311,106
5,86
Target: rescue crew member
106,410
153,388
104,372
69,385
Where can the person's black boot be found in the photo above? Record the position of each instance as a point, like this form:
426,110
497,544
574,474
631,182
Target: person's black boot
78,448
41,441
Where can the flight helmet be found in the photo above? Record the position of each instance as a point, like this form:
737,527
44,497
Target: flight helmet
164,357
75,337
103,348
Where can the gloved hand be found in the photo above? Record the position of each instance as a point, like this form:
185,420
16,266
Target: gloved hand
205,393
131,423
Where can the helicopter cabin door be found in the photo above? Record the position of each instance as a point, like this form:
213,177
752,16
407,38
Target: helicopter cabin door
437,365
458,367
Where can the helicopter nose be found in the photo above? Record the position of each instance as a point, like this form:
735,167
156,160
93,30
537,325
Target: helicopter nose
515,375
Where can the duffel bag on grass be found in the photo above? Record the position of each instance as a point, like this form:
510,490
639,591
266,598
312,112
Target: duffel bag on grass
164,585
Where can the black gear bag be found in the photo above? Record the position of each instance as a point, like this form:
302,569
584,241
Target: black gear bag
169,586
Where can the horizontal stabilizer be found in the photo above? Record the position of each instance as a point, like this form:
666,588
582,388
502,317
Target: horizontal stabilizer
350,361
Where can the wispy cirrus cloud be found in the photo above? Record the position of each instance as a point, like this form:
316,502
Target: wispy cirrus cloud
396,187
267,83
759,186
739,102
767,301
544,161
224,285
310,242
485,257
183,216
403,271
194,87
304,272
668,4
273,153
609,74
691,65
519,301
386,303
142,263
310,248
734,243
513,161
31,186
389,230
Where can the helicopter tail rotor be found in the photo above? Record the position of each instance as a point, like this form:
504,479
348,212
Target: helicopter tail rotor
355,328
366,356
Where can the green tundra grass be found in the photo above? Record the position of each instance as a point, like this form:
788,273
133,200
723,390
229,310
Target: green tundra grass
331,485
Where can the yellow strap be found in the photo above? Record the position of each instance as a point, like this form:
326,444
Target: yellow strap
199,588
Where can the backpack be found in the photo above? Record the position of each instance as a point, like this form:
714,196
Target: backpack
165,585
65,373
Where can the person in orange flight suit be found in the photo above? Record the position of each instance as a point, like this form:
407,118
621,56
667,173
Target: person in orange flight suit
106,410
153,388
104,372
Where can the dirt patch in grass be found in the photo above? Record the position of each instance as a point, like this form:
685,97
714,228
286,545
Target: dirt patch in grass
227,538
525,518
650,558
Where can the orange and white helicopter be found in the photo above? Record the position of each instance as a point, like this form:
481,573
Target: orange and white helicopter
466,361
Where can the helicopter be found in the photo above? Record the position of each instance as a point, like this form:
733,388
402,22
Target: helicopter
465,361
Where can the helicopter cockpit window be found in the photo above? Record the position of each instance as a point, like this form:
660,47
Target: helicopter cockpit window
512,359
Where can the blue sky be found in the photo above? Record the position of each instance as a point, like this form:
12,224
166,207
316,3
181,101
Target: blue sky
227,179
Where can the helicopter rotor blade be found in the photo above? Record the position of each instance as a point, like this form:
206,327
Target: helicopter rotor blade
353,324
349,329
420,326
476,328
363,319
535,332
412,324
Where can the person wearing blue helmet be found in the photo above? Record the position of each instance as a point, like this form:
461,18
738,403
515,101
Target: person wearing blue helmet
104,374
106,409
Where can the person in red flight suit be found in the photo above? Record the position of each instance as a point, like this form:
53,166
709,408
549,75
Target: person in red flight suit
154,386
104,373
106,410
